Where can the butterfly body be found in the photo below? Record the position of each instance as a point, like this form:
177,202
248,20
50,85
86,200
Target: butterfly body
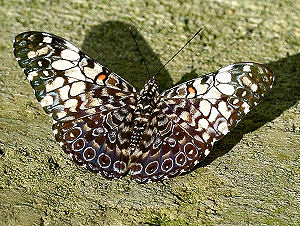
105,125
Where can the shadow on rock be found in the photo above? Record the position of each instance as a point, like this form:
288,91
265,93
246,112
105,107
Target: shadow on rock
112,45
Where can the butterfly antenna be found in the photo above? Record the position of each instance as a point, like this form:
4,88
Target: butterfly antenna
179,50
139,51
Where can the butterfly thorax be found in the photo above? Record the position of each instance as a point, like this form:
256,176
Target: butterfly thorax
147,98
146,102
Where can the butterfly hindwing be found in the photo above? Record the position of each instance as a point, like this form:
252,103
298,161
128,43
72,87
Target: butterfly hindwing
191,116
88,103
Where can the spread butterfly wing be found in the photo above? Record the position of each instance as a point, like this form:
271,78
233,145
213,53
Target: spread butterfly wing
88,103
193,115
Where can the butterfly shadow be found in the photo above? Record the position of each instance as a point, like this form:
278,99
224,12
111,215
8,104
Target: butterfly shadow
112,45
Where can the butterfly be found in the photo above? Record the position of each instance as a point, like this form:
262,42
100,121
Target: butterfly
106,125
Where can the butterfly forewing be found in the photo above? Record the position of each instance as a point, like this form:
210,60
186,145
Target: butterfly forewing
88,102
193,115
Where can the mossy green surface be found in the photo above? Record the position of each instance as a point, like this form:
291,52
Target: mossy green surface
250,178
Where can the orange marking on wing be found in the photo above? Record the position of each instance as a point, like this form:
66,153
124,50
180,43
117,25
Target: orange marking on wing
191,90
102,77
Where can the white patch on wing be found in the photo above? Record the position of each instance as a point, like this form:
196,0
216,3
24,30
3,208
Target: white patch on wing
64,92
61,114
98,67
46,101
71,104
77,88
226,89
246,107
31,54
206,152
72,80
68,54
246,81
55,84
62,64
205,107
203,123
47,39
246,68
222,107
92,72
235,101
213,115
200,88
185,116
43,51
205,136
31,37
223,77
31,75
213,93
223,128
94,102
75,73
254,87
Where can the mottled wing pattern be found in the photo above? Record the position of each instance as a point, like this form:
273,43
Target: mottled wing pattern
191,116
89,104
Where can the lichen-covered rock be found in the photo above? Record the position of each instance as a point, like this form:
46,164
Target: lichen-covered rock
250,177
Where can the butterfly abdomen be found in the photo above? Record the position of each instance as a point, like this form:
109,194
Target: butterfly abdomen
139,126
